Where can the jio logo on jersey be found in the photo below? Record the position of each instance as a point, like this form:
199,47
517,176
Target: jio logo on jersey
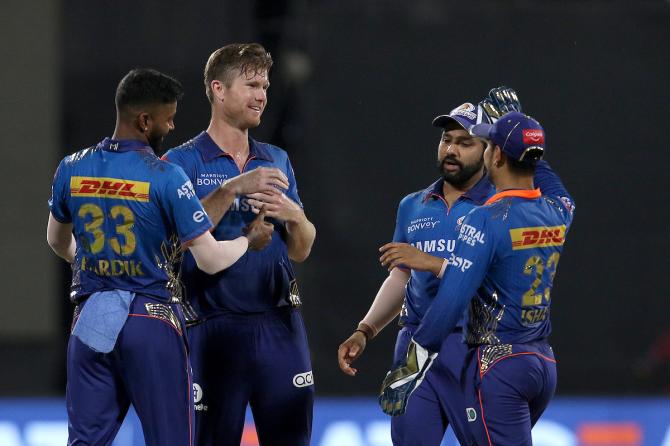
303,379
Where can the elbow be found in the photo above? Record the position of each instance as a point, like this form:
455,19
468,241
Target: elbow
56,245
299,256
208,267
298,252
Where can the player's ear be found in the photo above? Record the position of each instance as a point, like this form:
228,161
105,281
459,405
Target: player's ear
498,156
142,121
218,90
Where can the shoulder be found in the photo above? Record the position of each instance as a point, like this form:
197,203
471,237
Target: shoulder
412,199
564,207
278,154
80,156
160,170
170,170
183,152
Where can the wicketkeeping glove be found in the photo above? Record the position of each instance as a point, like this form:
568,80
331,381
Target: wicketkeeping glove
403,380
500,100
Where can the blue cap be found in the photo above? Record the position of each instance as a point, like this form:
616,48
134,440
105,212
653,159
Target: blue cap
518,135
465,115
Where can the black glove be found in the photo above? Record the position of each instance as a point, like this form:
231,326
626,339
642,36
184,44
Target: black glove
404,379
500,100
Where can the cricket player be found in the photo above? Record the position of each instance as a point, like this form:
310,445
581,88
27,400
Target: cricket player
121,216
247,338
510,249
423,243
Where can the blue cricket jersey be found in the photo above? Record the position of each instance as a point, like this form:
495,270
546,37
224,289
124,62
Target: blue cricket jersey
259,280
510,249
426,222
129,211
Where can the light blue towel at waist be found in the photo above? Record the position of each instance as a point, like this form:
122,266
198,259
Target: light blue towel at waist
102,319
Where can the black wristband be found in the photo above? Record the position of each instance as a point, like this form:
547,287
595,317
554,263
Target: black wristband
367,338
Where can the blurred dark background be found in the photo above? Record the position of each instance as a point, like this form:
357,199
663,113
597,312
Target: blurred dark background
354,89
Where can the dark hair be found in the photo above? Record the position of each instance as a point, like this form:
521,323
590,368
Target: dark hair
144,86
525,167
235,59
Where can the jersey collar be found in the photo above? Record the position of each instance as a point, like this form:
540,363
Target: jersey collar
124,145
477,193
529,194
210,150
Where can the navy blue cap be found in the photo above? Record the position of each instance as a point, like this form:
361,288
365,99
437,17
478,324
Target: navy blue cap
465,115
518,135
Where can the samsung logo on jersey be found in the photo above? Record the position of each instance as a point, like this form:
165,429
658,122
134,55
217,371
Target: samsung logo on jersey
241,204
435,245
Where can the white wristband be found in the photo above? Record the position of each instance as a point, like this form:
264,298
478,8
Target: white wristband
444,267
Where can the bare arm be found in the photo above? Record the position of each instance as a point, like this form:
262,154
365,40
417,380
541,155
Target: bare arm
213,256
301,235
60,238
218,202
384,309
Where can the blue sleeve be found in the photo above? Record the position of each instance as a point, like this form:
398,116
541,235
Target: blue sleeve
551,185
183,207
59,194
473,255
292,191
399,234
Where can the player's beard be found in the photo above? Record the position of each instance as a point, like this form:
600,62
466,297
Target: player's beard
463,174
156,143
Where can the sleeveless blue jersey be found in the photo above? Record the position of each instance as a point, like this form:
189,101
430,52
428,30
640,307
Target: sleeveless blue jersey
510,249
259,280
129,211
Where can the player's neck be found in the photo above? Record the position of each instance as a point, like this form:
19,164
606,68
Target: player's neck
507,181
229,138
123,131
452,193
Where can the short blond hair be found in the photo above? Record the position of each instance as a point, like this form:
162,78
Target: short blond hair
233,60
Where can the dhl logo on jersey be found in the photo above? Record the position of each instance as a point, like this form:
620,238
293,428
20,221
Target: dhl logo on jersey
537,237
109,188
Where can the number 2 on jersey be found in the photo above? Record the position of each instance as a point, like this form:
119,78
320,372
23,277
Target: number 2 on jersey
536,265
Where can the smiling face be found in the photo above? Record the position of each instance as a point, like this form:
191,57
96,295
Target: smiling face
459,156
244,100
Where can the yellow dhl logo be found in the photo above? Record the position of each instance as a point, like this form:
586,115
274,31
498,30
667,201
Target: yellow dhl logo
537,237
109,188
